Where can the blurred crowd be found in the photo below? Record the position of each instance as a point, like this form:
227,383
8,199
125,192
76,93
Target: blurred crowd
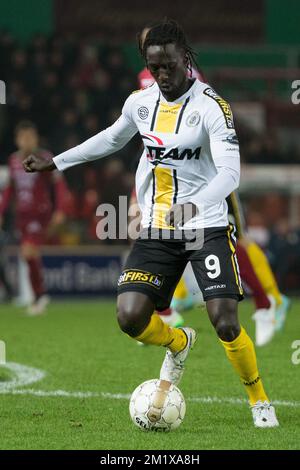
71,89
268,147
281,243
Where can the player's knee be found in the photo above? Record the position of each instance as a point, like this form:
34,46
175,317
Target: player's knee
227,330
134,311
223,315
129,319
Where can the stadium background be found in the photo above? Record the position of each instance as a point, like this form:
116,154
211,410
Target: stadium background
68,66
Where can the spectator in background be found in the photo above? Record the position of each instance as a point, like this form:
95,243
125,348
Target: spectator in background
69,124
19,69
257,229
284,250
91,125
7,46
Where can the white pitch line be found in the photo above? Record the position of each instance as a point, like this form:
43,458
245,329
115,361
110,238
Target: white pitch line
123,396
22,375
64,393
240,401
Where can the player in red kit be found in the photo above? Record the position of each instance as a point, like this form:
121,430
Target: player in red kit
34,211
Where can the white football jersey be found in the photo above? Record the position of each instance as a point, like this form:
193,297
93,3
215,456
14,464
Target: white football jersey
191,153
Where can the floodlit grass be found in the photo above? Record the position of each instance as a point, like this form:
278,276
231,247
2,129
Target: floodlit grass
80,347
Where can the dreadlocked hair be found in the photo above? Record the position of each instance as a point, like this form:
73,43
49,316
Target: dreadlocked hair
166,32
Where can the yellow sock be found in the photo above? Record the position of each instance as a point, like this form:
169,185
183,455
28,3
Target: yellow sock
241,354
181,291
160,334
263,271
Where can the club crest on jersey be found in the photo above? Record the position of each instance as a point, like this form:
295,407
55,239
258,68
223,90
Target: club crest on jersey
193,119
157,153
143,112
223,105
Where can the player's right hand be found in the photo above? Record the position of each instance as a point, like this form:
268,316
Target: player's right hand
179,214
34,163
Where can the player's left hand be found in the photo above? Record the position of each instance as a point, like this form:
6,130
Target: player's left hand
179,214
34,163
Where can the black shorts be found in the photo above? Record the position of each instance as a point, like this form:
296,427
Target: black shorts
154,267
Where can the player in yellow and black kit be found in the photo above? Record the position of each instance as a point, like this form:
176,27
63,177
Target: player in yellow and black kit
186,171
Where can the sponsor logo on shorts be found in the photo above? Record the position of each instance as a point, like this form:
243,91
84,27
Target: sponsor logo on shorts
143,112
143,277
223,105
216,286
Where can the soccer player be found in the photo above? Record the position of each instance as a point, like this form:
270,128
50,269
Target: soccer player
189,163
264,297
181,296
34,214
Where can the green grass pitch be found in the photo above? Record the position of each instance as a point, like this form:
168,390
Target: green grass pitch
80,348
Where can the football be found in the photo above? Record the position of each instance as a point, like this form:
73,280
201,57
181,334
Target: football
157,405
